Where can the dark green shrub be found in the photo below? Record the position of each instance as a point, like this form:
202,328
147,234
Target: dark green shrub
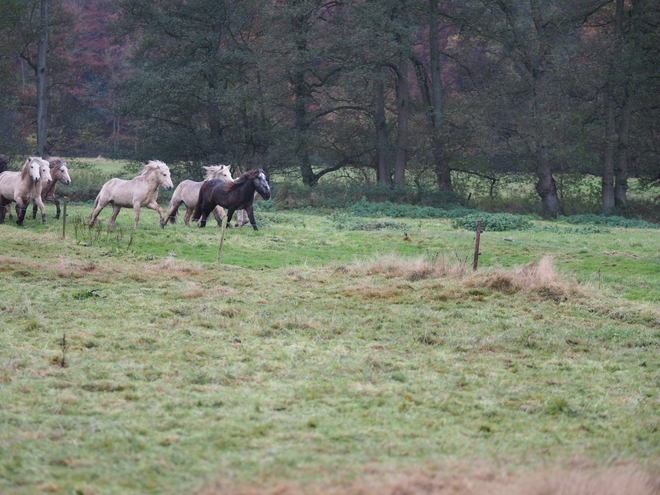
610,221
492,222
335,195
388,209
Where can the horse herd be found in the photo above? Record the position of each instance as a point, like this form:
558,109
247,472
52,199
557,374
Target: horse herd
37,179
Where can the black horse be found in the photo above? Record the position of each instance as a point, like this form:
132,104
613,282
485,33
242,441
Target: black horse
231,195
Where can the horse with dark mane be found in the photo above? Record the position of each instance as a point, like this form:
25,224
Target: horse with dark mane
59,173
234,195
24,186
187,192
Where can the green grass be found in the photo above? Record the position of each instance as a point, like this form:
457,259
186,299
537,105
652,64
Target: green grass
131,363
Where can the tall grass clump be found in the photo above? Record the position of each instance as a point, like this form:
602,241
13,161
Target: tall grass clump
420,268
539,277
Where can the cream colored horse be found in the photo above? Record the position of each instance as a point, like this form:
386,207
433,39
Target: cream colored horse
139,191
24,186
187,192
59,173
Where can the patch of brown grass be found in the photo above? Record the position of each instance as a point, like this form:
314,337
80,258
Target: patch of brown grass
392,266
622,480
539,277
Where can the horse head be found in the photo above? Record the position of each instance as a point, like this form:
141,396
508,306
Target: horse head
59,171
222,172
44,170
261,184
32,166
162,173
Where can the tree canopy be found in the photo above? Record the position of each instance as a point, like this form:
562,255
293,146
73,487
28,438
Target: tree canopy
401,91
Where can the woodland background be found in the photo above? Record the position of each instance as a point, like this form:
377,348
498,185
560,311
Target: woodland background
387,94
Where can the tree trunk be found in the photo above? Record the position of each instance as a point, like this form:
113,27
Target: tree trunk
300,118
42,89
382,140
546,186
402,97
608,159
442,170
621,168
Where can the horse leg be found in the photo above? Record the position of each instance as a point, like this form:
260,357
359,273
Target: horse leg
205,212
173,210
186,218
163,221
136,215
97,209
3,212
20,212
34,210
113,217
156,207
218,213
57,208
250,212
42,208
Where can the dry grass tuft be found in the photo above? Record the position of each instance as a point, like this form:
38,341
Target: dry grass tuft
626,480
392,266
539,277
71,269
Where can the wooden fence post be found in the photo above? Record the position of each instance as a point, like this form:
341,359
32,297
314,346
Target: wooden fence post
476,248
64,218
222,239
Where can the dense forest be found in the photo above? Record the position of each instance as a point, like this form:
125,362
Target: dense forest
398,92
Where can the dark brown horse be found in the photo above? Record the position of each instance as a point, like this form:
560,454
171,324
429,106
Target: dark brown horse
60,173
236,195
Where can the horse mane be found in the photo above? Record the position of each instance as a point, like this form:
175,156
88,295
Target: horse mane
243,178
55,162
152,166
211,170
25,170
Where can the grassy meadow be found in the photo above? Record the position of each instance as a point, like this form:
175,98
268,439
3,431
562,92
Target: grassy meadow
318,358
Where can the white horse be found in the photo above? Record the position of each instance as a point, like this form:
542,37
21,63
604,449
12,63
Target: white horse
24,186
139,191
187,192
60,173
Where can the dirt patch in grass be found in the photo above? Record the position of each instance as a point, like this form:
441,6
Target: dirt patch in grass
586,480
